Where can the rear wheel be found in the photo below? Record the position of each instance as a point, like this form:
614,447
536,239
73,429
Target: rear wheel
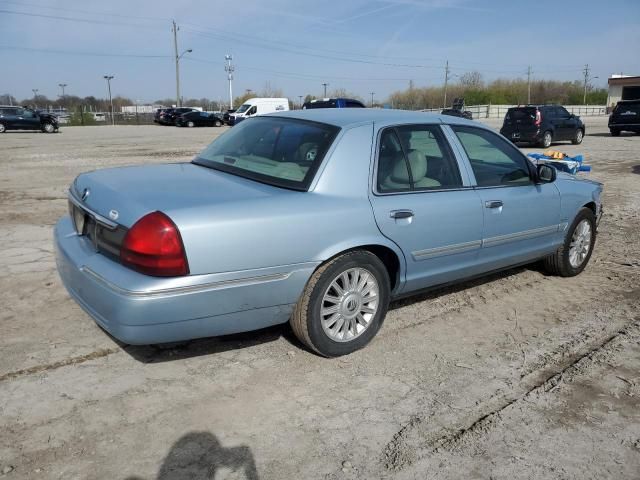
48,128
577,138
2,128
615,132
343,305
546,139
191,124
574,254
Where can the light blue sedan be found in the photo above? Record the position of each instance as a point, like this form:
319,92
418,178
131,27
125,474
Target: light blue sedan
317,217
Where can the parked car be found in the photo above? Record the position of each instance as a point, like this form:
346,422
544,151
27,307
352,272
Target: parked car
458,113
316,218
457,109
169,115
20,118
226,116
333,103
258,106
625,117
199,119
542,125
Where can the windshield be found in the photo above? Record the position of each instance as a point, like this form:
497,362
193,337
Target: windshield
515,114
631,107
283,152
243,108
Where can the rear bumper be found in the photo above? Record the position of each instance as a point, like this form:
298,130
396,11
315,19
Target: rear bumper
630,127
138,309
533,136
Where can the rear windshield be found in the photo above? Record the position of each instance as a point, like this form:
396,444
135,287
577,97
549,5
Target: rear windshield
282,152
633,107
521,113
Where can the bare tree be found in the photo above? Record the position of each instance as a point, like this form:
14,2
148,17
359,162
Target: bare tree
472,80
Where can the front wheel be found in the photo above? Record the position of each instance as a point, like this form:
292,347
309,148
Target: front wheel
191,124
217,123
574,254
343,304
48,128
2,128
577,138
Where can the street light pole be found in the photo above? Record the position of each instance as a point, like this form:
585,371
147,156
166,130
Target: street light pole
229,68
108,78
325,89
446,81
35,97
372,94
62,85
300,97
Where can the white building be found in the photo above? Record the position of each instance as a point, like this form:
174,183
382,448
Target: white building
623,87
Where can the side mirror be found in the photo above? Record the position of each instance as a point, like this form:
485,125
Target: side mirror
546,173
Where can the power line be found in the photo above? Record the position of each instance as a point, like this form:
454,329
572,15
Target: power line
81,53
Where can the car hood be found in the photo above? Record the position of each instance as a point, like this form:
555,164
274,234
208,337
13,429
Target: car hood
126,194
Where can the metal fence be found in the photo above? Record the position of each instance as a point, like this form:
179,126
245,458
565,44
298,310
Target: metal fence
499,111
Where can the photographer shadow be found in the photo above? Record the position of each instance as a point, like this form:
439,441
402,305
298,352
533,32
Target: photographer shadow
200,455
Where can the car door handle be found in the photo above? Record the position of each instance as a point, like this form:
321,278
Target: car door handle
493,204
398,214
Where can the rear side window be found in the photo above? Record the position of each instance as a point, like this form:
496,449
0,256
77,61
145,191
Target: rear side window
8,111
282,152
416,157
494,161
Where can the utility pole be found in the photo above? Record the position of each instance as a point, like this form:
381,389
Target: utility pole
529,85
35,97
62,85
325,89
300,98
229,68
372,94
446,81
108,78
587,78
174,29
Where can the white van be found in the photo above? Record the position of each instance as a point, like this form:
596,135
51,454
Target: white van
259,106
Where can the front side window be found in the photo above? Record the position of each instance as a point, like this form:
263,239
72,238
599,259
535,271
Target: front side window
494,161
416,157
283,152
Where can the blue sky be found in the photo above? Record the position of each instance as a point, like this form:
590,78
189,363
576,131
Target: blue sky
296,45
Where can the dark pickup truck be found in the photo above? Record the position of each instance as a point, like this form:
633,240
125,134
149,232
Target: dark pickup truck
20,118
625,117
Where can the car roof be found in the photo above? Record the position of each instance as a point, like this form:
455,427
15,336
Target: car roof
348,117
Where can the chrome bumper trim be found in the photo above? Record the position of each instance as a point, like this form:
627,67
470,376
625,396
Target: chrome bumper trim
99,218
240,282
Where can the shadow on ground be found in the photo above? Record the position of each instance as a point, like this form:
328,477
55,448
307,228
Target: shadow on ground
199,456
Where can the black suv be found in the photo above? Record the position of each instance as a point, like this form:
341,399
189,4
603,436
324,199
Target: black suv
541,125
20,118
625,116
169,115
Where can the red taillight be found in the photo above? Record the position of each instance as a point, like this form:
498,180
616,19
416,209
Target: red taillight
153,246
538,121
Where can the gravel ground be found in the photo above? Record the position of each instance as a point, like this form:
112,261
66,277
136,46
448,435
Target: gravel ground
518,375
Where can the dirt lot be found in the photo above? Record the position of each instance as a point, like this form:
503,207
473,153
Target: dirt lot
519,375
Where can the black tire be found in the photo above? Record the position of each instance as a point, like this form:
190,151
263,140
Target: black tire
306,317
217,123
577,137
48,127
3,128
191,124
558,263
547,138
614,132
